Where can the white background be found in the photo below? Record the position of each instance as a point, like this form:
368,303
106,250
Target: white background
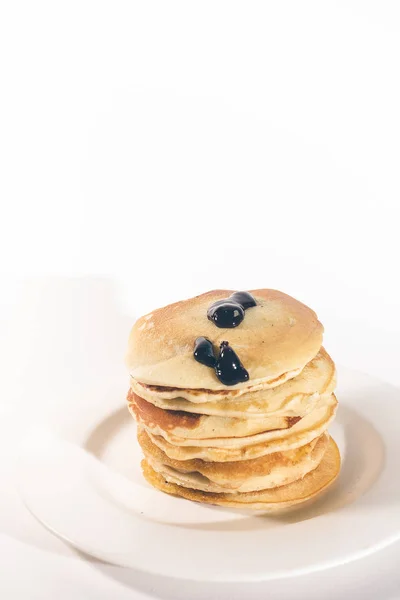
166,148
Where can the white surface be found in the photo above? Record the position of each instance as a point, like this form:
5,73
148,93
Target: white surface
126,129
65,380
120,519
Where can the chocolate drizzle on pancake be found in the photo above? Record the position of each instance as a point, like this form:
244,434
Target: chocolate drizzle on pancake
245,299
229,312
204,352
226,313
228,367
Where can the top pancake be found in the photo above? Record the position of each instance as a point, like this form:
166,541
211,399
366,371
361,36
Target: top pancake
295,397
276,339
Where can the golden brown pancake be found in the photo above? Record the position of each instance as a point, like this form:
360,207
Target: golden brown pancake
235,449
269,500
271,470
295,397
277,338
195,426
321,415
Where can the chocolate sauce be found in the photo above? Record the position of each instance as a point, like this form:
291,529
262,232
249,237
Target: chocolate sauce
204,352
228,368
229,312
226,314
245,299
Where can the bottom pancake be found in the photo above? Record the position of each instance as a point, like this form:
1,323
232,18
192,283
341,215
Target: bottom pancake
271,470
269,500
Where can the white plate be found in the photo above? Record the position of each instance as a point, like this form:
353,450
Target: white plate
96,498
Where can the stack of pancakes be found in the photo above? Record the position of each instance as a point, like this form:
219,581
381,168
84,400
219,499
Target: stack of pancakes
260,444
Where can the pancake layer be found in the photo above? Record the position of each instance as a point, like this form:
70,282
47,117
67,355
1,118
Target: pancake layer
268,471
288,397
276,340
269,500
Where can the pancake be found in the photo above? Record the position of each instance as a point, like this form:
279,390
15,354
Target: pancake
242,422
287,439
195,426
296,397
277,338
208,395
269,500
268,471
322,414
